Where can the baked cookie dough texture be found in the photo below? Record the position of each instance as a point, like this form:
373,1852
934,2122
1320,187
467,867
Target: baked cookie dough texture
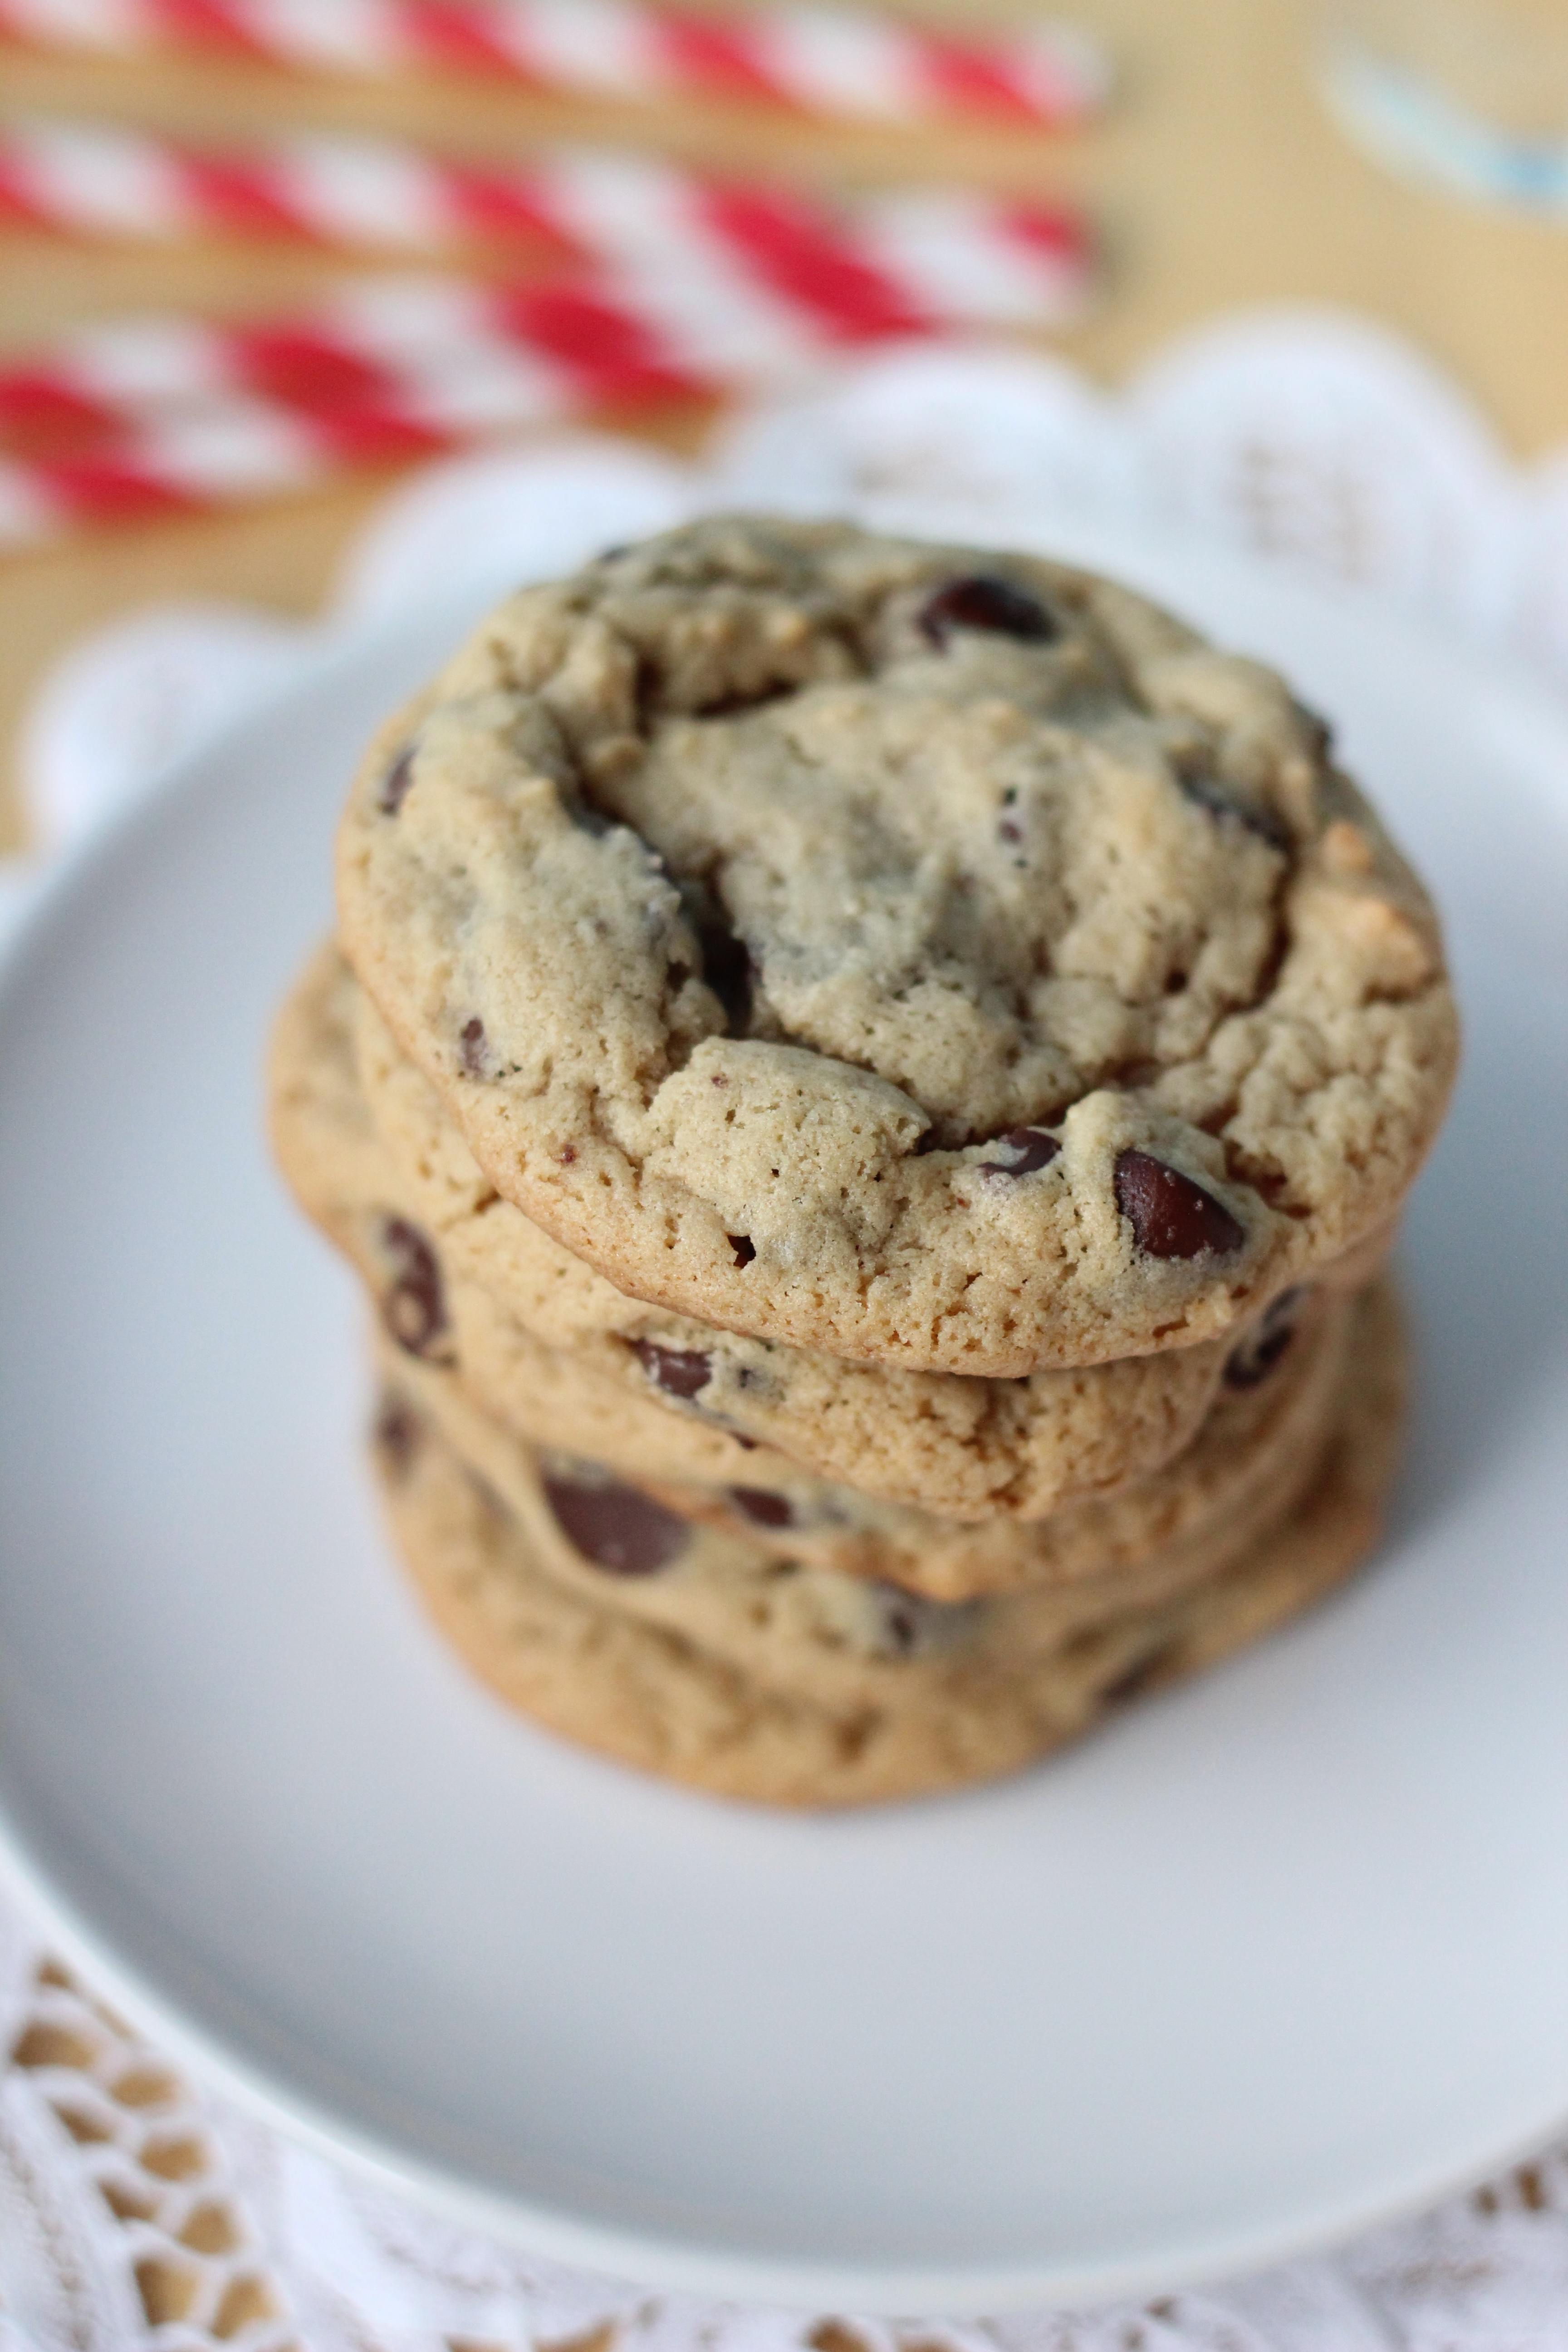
774,1683
941,960
871,1085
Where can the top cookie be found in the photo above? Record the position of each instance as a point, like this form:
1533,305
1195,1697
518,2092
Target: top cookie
933,957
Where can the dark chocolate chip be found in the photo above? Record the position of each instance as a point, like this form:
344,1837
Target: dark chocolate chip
394,786
476,1060
584,817
1205,793
415,1308
727,969
395,1433
763,1509
1140,1677
1319,733
1254,1358
1249,1365
745,1247
734,706
679,1372
619,1529
901,1620
648,692
982,600
1031,1147
1170,1215
909,1623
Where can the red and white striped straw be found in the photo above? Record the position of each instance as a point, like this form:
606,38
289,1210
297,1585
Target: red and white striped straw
152,416
369,341
814,61
618,341
702,289
886,261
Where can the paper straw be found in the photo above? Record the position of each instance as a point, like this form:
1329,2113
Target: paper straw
903,261
815,61
154,416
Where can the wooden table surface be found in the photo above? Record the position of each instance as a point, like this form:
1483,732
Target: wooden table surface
1218,179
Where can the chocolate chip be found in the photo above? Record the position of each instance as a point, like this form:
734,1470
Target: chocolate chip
619,1529
679,1372
1205,793
727,969
982,600
1254,1358
395,1433
734,706
582,814
1031,1147
1320,734
1249,1365
908,1622
1170,1215
900,1622
415,1308
395,784
647,693
1141,1675
476,1060
763,1509
745,1247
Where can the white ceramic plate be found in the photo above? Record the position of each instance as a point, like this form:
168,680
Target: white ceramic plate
1279,1954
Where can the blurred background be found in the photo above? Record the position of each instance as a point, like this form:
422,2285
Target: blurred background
1095,184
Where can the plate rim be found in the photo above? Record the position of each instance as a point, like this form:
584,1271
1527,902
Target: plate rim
670,2261
633,2259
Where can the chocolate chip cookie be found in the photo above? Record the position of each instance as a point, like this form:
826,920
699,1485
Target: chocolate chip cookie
935,957
757,1679
558,1347
1252,1457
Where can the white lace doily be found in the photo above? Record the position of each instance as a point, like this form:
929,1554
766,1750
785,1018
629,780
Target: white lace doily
136,2211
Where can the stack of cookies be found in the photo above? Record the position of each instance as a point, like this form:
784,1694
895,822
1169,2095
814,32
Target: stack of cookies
871,1085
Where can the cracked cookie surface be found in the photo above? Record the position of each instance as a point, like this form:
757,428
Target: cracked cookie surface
368,1132
930,957
569,1360
589,1395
